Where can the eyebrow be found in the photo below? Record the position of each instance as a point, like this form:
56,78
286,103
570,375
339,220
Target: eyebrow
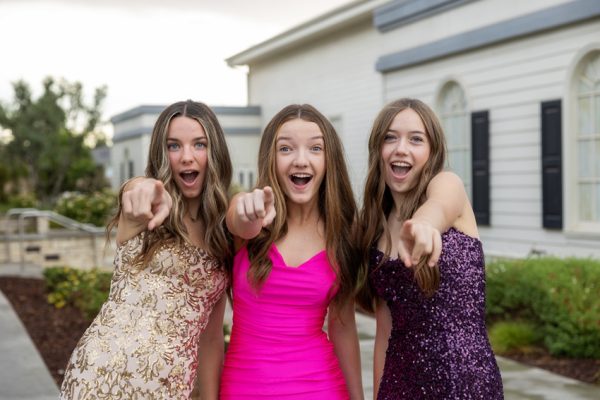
289,138
396,131
194,139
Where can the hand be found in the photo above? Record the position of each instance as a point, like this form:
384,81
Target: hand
147,203
257,205
418,239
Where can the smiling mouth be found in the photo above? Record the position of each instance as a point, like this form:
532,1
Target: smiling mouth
401,168
300,179
189,176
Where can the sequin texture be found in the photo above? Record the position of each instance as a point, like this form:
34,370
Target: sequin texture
438,347
143,344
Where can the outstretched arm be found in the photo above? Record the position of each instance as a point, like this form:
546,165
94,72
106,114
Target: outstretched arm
145,204
248,213
341,326
446,199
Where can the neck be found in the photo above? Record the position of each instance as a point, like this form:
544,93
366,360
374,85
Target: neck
301,214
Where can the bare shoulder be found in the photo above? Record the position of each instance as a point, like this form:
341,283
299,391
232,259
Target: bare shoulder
446,179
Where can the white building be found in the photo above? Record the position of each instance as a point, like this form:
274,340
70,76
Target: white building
516,84
133,129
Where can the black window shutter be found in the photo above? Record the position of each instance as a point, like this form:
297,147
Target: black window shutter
552,207
480,132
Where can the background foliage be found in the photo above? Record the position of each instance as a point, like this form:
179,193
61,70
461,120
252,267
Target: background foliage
557,298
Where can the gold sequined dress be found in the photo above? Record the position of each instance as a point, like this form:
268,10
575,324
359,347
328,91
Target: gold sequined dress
143,344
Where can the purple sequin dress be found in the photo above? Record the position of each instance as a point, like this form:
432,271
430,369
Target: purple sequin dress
438,348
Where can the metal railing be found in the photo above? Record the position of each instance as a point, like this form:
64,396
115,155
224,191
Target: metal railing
21,214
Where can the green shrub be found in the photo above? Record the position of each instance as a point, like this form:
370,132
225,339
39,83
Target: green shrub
95,208
558,295
86,290
513,335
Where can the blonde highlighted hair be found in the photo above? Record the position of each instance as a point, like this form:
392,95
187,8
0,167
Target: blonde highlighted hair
214,201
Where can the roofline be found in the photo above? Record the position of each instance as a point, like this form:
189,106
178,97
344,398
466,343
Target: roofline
157,109
314,28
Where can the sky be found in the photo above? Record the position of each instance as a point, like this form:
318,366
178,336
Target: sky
146,51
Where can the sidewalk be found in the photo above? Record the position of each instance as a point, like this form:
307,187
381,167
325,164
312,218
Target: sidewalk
23,372
24,376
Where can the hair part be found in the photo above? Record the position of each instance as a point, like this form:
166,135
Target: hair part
378,201
335,190
214,195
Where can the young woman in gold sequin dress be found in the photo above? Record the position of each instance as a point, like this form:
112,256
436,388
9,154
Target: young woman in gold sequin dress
163,319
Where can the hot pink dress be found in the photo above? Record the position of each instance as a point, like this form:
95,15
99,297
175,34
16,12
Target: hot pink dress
278,349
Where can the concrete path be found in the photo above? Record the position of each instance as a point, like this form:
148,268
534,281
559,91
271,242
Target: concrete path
23,374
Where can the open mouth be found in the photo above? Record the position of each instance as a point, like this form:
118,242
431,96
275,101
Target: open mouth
189,176
301,179
401,168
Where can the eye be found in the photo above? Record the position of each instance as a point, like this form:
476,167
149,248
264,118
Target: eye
285,149
417,139
172,146
200,145
389,137
316,148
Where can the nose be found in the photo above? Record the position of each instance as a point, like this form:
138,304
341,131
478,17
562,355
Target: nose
187,154
402,146
301,158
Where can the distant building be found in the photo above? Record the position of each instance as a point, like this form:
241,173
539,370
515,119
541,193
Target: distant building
133,128
516,84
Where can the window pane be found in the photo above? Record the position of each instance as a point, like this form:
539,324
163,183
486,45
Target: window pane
585,116
585,155
585,201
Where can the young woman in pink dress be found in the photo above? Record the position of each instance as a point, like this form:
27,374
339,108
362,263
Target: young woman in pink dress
295,265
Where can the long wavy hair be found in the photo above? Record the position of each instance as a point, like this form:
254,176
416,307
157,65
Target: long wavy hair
378,201
214,198
336,204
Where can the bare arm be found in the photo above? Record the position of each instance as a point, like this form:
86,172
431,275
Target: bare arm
248,213
145,204
382,336
420,235
210,352
342,333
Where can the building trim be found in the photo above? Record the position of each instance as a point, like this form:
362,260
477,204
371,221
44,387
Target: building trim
536,22
317,27
155,110
402,12
136,112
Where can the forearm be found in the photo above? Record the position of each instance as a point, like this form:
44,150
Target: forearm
344,337
210,362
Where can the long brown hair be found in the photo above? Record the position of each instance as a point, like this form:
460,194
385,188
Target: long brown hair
378,201
214,201
334,192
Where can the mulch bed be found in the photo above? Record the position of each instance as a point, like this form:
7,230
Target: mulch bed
56,332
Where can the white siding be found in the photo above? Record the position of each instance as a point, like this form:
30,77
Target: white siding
336,75
510,80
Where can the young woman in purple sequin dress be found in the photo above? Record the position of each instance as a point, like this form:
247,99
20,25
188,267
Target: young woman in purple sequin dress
431,341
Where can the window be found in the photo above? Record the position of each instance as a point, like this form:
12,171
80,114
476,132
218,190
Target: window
452,106
587,140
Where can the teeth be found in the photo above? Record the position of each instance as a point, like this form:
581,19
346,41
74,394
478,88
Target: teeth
301,175
401,164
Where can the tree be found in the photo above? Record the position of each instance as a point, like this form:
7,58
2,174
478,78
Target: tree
50,137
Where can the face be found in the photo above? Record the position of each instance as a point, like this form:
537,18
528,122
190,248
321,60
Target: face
405,151
187,146
300,158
